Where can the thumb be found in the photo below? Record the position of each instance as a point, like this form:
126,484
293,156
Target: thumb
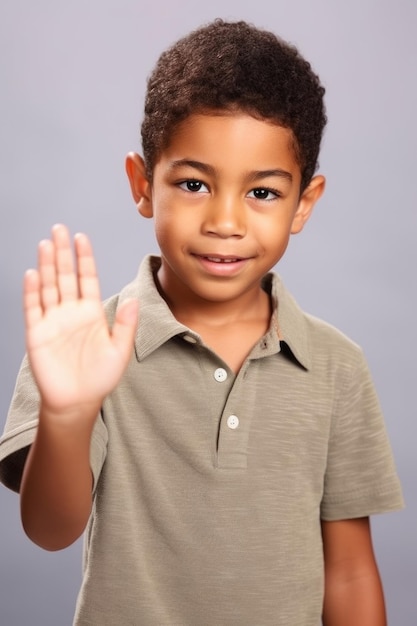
124,326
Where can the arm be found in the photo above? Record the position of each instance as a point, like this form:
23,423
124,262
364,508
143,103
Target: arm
76,361
353,590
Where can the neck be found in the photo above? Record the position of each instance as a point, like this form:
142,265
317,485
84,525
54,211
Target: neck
196,312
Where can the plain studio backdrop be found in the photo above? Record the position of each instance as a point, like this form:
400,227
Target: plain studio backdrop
72,82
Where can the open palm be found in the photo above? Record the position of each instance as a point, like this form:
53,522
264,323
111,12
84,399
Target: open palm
75,358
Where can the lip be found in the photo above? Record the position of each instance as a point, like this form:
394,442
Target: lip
221,264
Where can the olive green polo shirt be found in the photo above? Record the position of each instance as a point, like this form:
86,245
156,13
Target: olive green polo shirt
210,486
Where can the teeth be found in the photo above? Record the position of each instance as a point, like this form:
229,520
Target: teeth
217,260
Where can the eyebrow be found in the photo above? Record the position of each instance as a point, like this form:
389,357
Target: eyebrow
209,169
198,165
275,172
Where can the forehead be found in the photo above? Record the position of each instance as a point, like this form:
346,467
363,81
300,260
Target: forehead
226,138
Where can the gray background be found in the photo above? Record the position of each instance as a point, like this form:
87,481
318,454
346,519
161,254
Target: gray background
72,80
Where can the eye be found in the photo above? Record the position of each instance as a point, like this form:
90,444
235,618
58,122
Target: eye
193,185
264,193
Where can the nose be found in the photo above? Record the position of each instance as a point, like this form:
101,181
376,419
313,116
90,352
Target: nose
225,217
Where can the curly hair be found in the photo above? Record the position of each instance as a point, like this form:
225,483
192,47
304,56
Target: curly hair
235,66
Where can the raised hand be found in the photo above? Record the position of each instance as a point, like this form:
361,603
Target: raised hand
75,358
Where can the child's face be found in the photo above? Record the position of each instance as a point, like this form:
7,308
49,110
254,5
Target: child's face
225,199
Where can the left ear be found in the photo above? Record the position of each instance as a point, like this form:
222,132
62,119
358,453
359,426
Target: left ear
308,199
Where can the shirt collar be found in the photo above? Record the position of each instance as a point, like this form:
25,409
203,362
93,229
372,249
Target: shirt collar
291,321
157,324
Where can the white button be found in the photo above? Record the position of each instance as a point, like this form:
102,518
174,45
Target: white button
220,375
190,339
233,421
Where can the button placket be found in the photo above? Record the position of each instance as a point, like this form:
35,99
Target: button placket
233,437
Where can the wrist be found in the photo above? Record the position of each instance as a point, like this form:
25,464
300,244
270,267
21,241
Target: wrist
80,416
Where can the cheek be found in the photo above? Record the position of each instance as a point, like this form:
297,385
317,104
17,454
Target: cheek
163,218
162,233
272,230
273,237
170,230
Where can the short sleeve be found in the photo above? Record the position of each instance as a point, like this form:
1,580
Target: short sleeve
20,431
361,477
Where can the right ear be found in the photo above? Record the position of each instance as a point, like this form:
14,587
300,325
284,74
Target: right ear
139,184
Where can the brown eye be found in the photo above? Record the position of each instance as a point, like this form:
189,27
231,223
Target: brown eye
262,193
193,185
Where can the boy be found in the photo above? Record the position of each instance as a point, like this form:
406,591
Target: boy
226,466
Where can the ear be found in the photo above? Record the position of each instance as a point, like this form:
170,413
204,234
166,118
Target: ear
308,199
139,184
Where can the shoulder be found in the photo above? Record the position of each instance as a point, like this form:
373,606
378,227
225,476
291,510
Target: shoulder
326,337
313,341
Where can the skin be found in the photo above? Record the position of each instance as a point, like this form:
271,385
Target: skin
353,590
222,218
238,205
76,361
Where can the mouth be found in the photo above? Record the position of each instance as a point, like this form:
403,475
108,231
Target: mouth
222,265
222,259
